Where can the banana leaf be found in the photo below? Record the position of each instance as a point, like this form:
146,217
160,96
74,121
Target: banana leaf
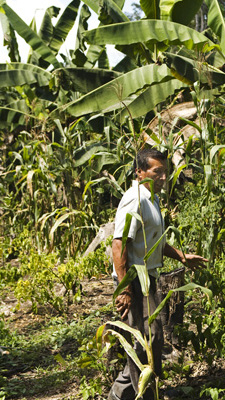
93,4
82,27
216,21
83,154
103,60
125,65
64,25
15,113
18,74
151,8
9,38
147,100
150,31
113,93
30,36
181,11
195,71
46,29
92,55
109,12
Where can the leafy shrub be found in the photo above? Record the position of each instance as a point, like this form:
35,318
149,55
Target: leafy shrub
207,320
41,278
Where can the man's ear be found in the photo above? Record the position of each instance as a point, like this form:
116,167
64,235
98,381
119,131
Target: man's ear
138,172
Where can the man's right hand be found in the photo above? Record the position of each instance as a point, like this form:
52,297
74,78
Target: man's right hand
123,303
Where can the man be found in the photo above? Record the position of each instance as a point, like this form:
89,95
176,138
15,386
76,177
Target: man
131,303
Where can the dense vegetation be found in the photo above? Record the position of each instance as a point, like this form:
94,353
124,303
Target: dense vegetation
70,127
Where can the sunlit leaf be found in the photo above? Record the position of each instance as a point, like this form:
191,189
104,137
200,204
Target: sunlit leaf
176,176
150,8
150,97
128,348
151,31
64,25
30,36
145,378
216,21
189,286
214,150
113,93
181,11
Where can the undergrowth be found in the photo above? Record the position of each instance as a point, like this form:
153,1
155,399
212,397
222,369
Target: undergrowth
49,354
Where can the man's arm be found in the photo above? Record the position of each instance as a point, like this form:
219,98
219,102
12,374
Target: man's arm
192,261
123,301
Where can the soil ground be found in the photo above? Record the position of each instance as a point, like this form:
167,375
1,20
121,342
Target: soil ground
98,293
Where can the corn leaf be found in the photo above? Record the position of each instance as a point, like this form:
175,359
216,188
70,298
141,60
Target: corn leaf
60,220
157,243
135,332
144,379
128,348
176,176
208,178
189,286
214,150
133,271
126,231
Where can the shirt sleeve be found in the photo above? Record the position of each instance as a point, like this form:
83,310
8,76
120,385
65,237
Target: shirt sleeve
127,206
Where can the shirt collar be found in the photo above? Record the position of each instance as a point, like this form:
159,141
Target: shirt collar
144,191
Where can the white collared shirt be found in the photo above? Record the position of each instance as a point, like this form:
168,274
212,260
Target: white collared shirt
153,225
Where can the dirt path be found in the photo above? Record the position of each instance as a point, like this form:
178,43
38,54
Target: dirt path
97,293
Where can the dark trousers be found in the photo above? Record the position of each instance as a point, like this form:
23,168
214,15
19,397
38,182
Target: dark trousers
126,384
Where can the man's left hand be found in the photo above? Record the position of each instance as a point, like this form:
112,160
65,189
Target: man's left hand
194,261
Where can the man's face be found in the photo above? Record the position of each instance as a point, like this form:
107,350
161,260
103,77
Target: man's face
157,171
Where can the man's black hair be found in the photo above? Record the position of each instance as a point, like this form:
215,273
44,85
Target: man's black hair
142,160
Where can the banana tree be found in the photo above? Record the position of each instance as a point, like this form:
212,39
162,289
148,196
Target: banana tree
145,43
44,79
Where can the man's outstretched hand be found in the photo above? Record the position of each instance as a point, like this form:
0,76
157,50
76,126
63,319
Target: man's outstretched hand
191,261
194,261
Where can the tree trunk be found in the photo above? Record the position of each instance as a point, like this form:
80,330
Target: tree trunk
172,313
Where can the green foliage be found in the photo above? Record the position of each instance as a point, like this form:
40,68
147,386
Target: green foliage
208,335
61,178
4,331
49,349
202,228
214,393
42,279
90,389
